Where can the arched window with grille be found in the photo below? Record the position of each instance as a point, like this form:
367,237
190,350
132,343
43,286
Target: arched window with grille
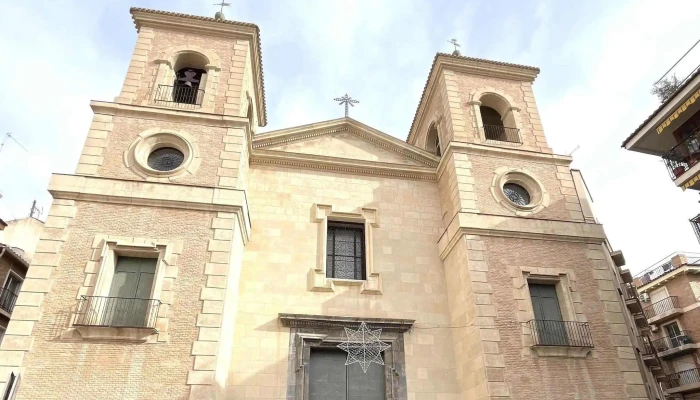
432,141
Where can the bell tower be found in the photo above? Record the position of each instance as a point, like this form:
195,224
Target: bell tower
519,237
147,236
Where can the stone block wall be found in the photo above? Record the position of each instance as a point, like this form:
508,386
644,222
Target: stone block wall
283,249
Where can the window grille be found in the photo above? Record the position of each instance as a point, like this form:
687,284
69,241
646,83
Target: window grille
345,251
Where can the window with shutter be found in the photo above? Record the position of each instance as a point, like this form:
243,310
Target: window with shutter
345,248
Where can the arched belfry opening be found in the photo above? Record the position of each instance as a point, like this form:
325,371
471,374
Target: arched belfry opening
432,141
497,119
190,78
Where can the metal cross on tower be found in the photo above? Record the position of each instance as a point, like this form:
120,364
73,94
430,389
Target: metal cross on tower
347,100
220,13
456,45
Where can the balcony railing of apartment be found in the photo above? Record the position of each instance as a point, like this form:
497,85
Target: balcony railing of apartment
118,312
665,266
682,378
695,222
645,347
661,306
179,96
684,155
668,343
561,333
497,133
7,300
629,291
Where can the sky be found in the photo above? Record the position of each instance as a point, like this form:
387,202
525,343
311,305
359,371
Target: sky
598,60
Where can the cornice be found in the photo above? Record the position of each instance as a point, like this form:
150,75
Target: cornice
138,111
470,66
328,321
517,227
212,27
662,280
152,194
342,165
349,125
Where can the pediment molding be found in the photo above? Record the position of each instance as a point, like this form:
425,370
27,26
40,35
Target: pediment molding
371,135
335,164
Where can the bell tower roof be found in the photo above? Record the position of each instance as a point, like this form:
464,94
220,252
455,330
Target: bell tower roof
470,66
144,17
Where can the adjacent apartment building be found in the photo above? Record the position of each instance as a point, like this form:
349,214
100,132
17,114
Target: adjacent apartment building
190,257
670,296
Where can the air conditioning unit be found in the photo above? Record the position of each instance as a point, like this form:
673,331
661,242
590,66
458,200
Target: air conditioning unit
653,328
644,297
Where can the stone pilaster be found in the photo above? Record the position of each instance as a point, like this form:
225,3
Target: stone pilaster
93,151
136,66
28,308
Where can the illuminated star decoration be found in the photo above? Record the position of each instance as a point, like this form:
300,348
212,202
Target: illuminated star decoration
364,346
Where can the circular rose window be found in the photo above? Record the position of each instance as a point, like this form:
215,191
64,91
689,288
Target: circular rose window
165,159
516,194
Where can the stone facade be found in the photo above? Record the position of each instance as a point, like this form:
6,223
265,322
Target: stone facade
239,234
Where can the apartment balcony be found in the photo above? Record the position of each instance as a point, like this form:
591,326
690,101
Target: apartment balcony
663,310
683,381
664,269
7,301
631,297
667,347
561,338
116,318
683,161
184,97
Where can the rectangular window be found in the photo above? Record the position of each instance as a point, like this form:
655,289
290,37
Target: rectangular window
549,324
9,292
345,251
331,379
11,388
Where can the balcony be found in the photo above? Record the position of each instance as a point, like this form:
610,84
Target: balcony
7,300
631,297
561,338
502,135
683,381
684,157
184,97
663,310
98,317
675,346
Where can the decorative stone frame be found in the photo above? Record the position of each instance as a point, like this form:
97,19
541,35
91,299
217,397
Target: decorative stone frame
509,111
317,280
539,197
166,74
307,331
99,272
564,281
136,156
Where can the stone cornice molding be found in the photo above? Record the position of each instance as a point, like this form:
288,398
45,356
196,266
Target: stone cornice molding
159,113
349,125
153,194
336,164
517,227
328,321
470,66
212,27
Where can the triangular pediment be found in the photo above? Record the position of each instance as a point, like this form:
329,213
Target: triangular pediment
346,139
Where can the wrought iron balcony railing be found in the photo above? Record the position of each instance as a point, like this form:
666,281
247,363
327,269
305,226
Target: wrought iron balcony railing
496,133
683,378
118,312
561,333
629,291
7,300
179,96
657,272
645,346
661,306
668,343
684,155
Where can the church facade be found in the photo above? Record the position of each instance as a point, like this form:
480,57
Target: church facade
190,257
